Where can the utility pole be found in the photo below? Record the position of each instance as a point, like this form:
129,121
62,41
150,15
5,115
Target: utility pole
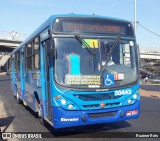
135,20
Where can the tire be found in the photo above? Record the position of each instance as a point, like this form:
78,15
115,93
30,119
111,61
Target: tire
15,94
42,121
17,98
39,114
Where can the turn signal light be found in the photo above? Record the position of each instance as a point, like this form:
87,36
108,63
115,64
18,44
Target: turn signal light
58,97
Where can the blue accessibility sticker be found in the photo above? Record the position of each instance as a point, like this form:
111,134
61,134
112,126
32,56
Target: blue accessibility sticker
108,80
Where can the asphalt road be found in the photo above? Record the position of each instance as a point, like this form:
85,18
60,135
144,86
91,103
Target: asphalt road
17,118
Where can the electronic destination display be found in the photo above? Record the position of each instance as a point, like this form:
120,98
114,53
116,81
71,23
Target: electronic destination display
92,25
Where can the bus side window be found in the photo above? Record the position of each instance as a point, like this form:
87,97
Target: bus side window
29,57
36,52
17,61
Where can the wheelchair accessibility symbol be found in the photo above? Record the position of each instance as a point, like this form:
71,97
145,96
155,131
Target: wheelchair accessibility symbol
109,80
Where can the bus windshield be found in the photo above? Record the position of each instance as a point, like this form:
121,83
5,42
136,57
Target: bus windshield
112,64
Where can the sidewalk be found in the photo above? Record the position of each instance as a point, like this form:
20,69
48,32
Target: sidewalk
150,93
150,89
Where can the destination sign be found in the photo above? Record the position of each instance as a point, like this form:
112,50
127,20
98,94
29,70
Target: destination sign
92,25
82,79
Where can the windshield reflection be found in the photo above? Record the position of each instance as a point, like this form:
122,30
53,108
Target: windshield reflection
76,67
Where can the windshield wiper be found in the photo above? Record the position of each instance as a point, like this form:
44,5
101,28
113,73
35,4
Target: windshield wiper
113,46
109,52
88,48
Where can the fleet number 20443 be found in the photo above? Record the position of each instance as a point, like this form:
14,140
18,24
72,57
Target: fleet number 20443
123,92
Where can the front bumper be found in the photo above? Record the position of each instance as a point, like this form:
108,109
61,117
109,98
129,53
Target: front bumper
63,118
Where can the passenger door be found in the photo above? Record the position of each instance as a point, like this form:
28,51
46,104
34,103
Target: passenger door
47,60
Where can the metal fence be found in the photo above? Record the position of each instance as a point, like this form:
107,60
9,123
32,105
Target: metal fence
14,36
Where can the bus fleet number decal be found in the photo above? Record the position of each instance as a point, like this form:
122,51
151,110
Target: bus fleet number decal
123,92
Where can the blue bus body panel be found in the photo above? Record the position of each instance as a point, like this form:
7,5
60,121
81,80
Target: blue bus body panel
13,78
82,103
22,75
63,118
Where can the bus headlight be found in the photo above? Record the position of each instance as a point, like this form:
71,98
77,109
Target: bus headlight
63,101
135,96
132,99
129,101
70,106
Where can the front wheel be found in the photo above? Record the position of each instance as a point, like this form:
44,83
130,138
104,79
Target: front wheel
39,113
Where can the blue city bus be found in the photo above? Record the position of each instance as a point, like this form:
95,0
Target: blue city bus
77,70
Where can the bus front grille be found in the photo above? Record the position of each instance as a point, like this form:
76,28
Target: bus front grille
102,115
96,97
108,105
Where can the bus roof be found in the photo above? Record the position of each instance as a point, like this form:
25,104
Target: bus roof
49,22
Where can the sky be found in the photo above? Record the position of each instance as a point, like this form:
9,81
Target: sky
24,16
